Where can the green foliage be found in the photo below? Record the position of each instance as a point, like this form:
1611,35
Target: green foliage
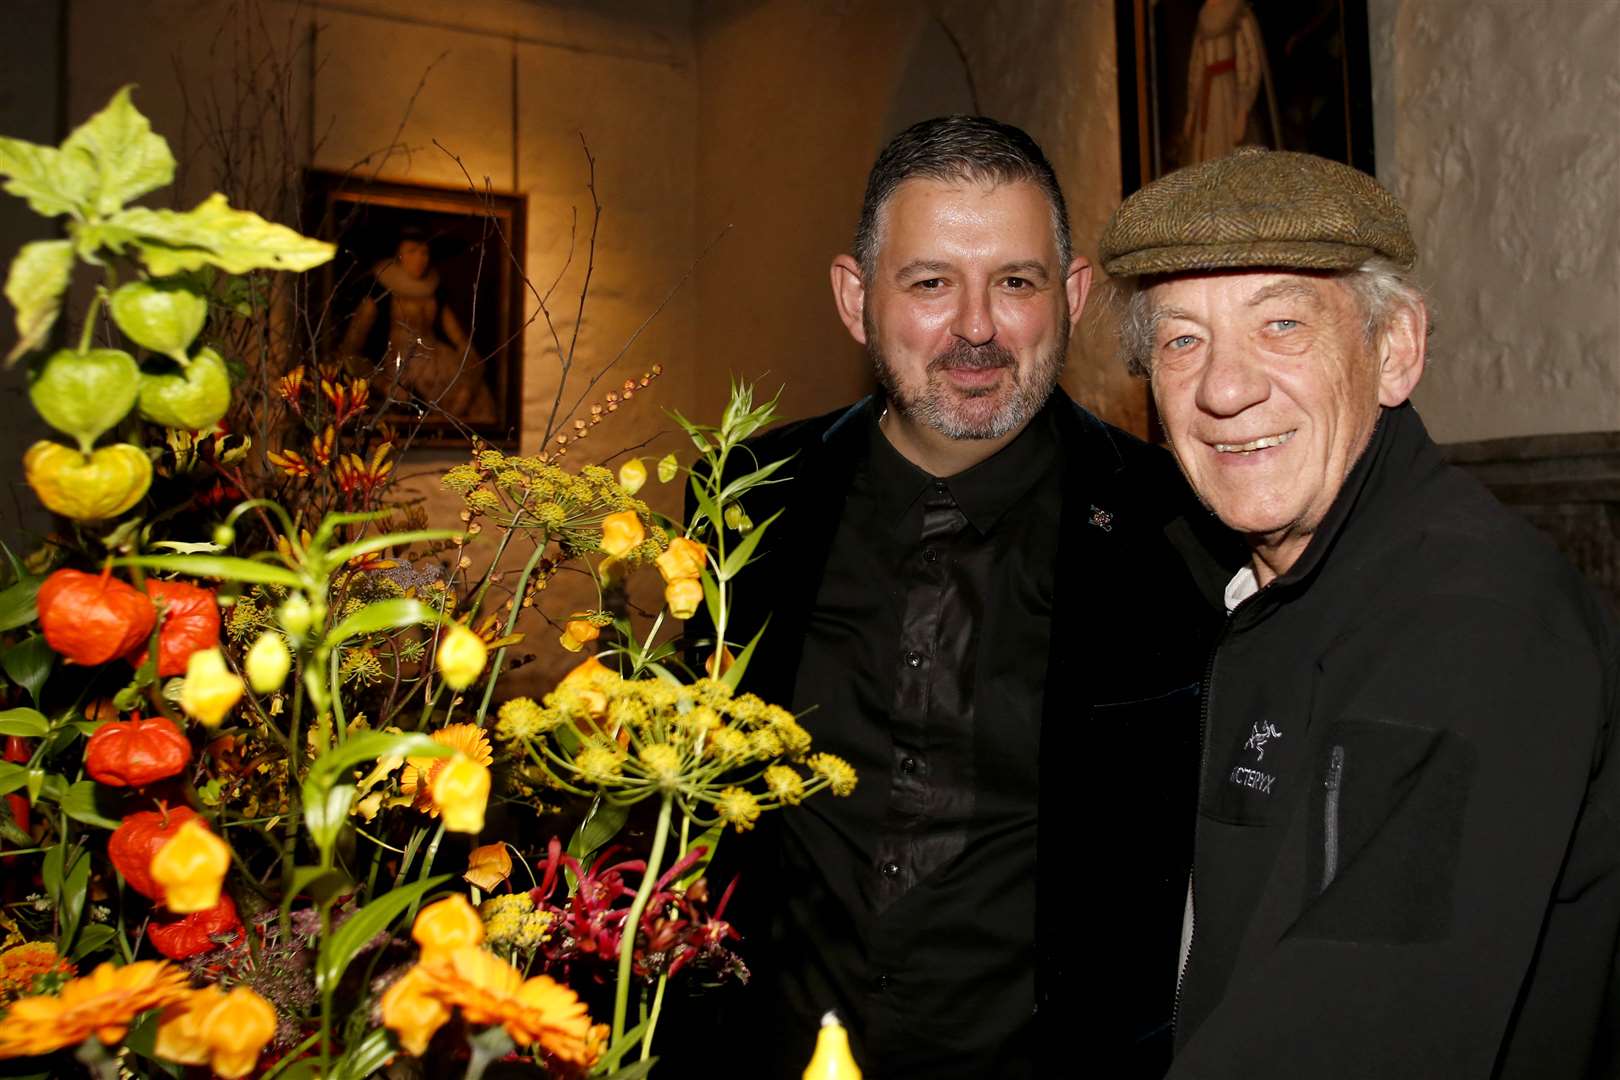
38,277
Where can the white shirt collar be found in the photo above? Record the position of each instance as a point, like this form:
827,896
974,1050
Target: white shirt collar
1242,586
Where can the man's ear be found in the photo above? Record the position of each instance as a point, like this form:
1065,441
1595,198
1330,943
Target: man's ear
849,296
1076,286
1402,352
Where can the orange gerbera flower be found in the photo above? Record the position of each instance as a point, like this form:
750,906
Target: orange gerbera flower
488,990
21,964
103,1004
416,782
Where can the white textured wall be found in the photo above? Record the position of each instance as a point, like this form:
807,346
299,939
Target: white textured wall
1499,127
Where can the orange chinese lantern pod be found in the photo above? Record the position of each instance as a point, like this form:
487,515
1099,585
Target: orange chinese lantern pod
136,752
134,842
190,622
197,933
91,619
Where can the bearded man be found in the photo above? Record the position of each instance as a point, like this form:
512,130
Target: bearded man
971,597
1408,856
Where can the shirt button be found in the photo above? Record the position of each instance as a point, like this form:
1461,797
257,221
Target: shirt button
930,555
891,870
883,982
908,765
939,487
914,659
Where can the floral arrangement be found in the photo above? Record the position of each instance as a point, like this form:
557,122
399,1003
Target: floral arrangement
262,786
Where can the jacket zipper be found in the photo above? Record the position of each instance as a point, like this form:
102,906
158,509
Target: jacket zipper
1192,871
1330,817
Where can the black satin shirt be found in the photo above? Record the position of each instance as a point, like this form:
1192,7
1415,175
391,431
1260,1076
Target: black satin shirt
911,904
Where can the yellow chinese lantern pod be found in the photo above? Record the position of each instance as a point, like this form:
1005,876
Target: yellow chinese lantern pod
577,633
210,690
87,487
237,1030
488,866
267,663
832,1059
682,559
632,474
461,657
460,791
621,532
446,925
684,596
190,867
182,1035
412,1011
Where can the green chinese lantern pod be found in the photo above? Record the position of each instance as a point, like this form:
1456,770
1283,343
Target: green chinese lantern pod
194,399
83,394
164,319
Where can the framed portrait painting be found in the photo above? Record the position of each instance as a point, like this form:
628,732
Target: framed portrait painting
1201,77
425,299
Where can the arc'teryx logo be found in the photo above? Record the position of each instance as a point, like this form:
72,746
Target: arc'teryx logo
1259,736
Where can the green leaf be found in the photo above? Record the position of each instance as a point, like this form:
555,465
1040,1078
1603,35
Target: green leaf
12,833
28,663
52,182
219,566
733,675
96,937
709,840
365,924
84,802
327,793
39,275
600,824
365,1057
75,889
17,604
25,722
12,777
128,158
210,234
737,557
326,808
634,1072
321,882
340,555
706,507
754,479
382,615
187,548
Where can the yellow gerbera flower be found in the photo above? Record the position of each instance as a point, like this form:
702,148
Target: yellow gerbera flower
102,1004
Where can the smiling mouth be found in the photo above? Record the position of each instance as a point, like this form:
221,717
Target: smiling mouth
1258,444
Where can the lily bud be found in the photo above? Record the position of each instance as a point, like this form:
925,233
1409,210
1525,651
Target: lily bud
210,690
632,474
460,657
295,616
268,663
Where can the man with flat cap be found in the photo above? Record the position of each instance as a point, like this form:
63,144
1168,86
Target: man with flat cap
1407,855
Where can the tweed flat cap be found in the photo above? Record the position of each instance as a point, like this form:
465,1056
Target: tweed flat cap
1257,208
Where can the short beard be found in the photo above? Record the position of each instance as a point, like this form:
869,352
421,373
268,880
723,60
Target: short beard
946,410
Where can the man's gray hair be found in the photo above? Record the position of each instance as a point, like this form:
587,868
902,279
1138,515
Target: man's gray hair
1380,285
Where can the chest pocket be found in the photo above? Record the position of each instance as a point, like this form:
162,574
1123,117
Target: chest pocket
1255,752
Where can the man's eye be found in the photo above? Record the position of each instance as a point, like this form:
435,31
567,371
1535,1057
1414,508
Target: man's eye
1284,324
930,283
1185,341
1016,283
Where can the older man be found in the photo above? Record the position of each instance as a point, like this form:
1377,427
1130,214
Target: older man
1407,861
971,597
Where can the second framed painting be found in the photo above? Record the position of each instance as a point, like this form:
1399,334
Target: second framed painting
425,298
1201,77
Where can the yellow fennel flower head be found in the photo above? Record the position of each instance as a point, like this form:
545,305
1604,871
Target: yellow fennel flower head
210,690
838,773
738,808
662,763
190,868
784,783
700,719
598,763
577,633
460,792
729,744
632,474
461,657
683,558
765,743
621,532
446,925
523,718
225,1031
103,1004
684,596
412,1010
794,738
488,866
268,662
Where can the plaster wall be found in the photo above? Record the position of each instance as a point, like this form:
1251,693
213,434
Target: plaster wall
1498,125
795,100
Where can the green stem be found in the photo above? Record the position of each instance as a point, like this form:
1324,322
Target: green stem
339,721
291,1056
652,1021
94,1056
632,923
517,607
88,332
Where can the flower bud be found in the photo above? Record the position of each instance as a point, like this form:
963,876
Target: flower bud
460,792
667,467
225,536
632,474
210,690
295,616
460,657
190,868
577,633
683,595
268,663
621,532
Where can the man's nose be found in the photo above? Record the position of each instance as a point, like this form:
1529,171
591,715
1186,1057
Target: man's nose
1231,380
975,321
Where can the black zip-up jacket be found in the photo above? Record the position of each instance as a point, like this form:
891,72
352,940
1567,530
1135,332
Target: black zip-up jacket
1407,860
